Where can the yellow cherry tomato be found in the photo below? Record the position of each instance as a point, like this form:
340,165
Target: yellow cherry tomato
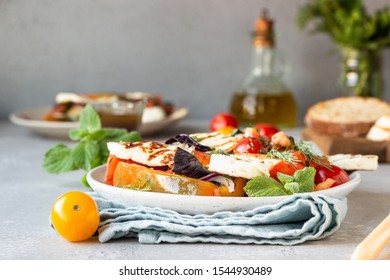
75,216
227,130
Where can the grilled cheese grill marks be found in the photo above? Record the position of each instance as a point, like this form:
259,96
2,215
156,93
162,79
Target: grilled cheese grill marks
154,150
218,141
166,156
148,153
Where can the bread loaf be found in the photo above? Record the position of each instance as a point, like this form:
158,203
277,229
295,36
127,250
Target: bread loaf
346,116
380,131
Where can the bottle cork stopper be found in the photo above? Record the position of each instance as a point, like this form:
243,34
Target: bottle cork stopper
263,35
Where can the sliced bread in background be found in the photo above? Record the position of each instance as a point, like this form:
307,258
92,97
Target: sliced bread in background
346,116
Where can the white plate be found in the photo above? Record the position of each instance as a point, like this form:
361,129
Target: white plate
196,204
32,119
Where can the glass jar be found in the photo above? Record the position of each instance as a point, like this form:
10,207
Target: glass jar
120,113
361,72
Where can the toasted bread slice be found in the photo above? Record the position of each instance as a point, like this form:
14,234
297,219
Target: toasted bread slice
346,116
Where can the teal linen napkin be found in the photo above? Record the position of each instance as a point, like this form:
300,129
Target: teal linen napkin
297,219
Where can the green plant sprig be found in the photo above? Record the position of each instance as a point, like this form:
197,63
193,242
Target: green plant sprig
306,148
287,156
347,22
90,150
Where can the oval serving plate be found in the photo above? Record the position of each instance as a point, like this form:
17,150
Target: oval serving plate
196,204
32,119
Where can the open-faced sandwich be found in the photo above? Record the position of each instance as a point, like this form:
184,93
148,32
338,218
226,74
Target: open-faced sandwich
240,163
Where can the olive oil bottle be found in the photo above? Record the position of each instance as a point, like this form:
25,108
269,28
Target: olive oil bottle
263,97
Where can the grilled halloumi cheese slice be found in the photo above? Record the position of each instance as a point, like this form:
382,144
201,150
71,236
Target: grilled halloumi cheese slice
152,154
354,162
217,140
245,166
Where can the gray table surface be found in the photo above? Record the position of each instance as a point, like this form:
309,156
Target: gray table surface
28,192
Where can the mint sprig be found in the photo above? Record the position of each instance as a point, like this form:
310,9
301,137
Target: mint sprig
90,150
301,181
264,186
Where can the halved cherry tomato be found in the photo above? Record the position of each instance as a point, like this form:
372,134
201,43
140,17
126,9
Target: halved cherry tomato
249,145
334,172
266,130
319,162
300,158
251,132
222,120
202,157
285,168
75,216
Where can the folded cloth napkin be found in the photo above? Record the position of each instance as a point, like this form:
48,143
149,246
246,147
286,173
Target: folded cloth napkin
297,219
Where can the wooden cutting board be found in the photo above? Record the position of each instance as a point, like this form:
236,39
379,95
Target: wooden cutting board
331,145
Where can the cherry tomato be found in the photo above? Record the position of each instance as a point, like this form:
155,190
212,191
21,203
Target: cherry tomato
202,157
249,145
285,168
334,173
300,157
75,216
251,132
266,130
222,120
227,130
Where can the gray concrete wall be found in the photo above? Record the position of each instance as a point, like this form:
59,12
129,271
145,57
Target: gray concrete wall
194,53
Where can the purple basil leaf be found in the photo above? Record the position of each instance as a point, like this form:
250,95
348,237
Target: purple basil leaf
185,139
219,180
186,164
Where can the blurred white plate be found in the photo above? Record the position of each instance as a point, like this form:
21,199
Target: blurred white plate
32,119
197,204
